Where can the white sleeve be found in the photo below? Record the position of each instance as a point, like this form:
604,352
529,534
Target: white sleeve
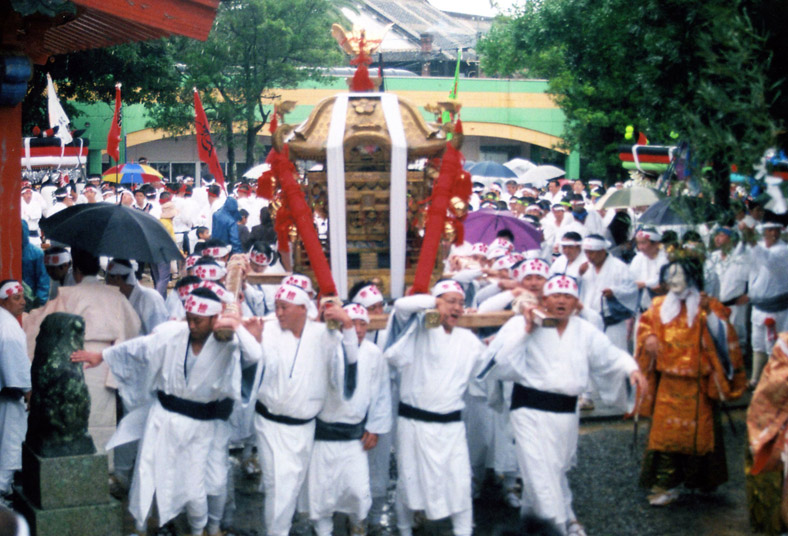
498,302
487,292
409,305
379,418
504,359
135,364
609,367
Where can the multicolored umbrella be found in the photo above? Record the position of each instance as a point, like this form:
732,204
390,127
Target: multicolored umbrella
131,174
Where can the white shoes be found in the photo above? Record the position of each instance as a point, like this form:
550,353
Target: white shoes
512,499
574,528
664,498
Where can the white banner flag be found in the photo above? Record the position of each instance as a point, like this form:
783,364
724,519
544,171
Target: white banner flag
57,116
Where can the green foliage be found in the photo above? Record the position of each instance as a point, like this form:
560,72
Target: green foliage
145,69
698,68
255,45
50,8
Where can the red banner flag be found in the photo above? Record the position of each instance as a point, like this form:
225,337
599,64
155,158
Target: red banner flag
205,147
113,138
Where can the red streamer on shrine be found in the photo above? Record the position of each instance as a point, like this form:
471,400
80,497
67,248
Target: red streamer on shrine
295,210
451,179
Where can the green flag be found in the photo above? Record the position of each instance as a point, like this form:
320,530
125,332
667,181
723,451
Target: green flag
446,116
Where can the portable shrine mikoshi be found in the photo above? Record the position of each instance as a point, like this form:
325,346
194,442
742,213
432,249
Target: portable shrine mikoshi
366,141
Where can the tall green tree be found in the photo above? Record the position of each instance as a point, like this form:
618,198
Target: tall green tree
701,69
254,46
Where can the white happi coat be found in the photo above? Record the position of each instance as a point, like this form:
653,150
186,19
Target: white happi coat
181,459
149,306
732,272
547,441
647,270
109,319
615,275
338,478
14,373
295,378
561,265
435,369
768,279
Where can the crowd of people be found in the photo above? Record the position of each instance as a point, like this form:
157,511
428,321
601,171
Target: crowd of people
660,322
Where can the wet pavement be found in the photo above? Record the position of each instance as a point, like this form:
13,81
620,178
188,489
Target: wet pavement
607,499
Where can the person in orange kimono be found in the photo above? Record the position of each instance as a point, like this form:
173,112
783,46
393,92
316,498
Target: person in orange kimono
690,354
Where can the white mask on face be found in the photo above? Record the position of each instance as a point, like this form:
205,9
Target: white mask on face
677,279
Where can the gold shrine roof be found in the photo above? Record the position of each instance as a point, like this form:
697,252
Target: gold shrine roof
366,131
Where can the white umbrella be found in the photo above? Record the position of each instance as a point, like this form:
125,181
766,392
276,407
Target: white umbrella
520,166
539,175
636,196
255,172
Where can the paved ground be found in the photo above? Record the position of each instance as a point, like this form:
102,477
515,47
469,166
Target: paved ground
607,499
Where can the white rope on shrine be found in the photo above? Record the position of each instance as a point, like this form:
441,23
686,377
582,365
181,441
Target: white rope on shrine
398,194
335,168
335,172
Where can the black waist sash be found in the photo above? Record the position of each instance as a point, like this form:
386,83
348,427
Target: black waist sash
409,412
260,408
526,397
771,305
339,431
202,411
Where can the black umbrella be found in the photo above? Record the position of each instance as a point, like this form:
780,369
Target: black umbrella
683,210
112,230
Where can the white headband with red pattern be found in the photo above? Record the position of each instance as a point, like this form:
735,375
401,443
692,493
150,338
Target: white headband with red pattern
442,287
56,259
356,311
561,284
209,272
216,252
368,296
197,305
11,288
532,267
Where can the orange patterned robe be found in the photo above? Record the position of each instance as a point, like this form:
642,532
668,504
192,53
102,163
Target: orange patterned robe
686,379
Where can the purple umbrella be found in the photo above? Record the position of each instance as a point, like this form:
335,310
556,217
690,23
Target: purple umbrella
483,226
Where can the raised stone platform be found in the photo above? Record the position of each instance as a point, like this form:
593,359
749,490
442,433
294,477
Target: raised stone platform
68,495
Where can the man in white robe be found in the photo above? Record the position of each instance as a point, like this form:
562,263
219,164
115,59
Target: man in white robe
435,366
57,261
367,294
551,367
183,460
150,307
148,303
646,265
604,280
300,356
14,383
572,256
768,293
347,429
262,260
109,319
730,264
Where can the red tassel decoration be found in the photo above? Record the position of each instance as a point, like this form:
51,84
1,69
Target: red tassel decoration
451,167
301,215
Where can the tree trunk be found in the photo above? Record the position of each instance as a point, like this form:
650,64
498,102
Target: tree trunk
721,180
251,140
229,139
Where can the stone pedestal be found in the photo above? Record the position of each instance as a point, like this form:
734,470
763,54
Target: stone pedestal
68,495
